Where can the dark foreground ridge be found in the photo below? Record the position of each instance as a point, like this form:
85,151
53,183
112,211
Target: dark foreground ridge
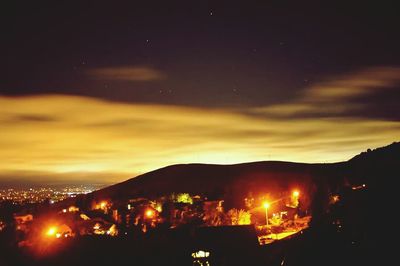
200,178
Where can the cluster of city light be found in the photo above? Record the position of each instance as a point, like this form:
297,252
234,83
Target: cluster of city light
37,195
56,229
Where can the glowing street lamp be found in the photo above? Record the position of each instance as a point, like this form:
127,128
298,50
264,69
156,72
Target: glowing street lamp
149,213
51,231
266,206
295,198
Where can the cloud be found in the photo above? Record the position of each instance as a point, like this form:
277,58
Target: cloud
127,73
338,96
103,140
32,118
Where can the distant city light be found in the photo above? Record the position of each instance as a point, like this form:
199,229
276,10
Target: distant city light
42,194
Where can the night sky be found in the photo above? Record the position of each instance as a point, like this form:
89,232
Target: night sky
101,91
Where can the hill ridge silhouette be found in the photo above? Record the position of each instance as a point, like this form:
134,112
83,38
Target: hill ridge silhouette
199,178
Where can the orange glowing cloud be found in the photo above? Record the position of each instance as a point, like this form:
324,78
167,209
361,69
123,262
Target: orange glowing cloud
82,138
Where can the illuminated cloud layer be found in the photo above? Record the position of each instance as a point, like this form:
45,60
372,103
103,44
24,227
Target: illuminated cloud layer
85,138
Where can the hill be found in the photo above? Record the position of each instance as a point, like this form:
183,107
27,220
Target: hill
238,179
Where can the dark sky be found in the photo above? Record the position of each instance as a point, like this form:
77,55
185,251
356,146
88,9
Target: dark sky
213,53
104,90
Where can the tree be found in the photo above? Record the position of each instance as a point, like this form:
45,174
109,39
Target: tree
184,198
213,213
239,217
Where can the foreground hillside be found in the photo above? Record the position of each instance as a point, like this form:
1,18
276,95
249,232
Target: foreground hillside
238,179
215,181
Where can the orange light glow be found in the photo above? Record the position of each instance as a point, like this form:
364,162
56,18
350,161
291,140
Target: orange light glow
149,213
335,198
296,193
266,205
51,231
103,204
51,151
73,209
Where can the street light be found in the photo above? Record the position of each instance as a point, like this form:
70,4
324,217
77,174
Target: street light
149,213
103,204
295,198
51,231
266,206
